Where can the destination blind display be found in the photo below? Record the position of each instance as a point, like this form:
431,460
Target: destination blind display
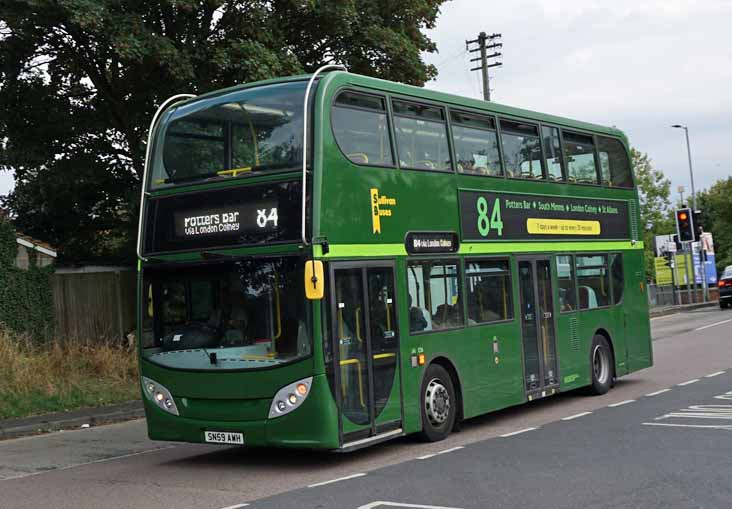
509,216
431,242
227,221
230,217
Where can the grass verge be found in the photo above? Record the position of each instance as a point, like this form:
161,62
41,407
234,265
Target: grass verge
56,376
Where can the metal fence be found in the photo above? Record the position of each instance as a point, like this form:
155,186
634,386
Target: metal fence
94,303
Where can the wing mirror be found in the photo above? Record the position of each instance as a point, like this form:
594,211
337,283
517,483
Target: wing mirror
314,280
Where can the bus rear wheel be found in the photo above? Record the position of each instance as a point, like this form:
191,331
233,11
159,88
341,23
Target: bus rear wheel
601,365
438,403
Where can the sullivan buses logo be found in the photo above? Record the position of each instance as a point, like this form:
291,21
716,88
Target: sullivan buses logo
380,207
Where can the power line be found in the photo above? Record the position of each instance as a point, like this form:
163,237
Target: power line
485,42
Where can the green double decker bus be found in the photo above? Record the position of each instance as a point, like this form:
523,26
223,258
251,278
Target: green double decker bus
333,260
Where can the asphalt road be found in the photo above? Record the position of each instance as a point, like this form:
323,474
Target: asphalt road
612,456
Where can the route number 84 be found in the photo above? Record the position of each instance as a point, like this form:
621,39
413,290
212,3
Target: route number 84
485,225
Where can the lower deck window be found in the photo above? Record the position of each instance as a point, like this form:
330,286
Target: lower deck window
593,281
488,291
434,295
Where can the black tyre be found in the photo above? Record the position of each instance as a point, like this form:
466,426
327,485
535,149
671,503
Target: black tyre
438,403
723,304
602,364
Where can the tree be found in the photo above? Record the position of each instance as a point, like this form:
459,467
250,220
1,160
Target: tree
654,191
715,204
80,80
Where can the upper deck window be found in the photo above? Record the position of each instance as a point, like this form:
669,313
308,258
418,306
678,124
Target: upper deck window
476,144
421,136
521,150
552,153
615,163
361,128
251,130
579,152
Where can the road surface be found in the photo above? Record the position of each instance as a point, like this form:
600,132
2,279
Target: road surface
645,443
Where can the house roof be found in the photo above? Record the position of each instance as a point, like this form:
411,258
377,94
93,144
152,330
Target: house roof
30,242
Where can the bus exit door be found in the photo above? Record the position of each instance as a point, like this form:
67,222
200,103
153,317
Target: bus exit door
541,377
366,350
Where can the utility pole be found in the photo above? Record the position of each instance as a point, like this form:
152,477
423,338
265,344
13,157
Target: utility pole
485,42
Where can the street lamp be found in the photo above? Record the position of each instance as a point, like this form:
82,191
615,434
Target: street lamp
693,208
691,171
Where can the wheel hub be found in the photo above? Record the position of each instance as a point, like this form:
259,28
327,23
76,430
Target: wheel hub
600,364
437,402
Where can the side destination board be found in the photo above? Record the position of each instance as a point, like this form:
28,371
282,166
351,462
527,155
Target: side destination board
509,216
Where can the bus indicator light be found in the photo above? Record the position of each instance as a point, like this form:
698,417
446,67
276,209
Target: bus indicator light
421,359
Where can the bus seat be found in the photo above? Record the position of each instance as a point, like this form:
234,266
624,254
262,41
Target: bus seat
587,297
359,158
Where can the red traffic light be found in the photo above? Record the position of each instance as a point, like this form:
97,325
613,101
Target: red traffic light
683,216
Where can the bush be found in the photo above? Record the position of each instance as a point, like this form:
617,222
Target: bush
26,299
53,376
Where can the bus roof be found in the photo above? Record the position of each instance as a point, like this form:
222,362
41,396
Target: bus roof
378,84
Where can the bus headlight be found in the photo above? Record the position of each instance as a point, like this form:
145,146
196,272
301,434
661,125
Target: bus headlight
290,397
159,395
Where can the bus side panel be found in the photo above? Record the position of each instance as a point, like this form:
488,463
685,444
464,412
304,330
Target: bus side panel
638,325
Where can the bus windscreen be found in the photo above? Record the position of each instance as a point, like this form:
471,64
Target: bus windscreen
244,132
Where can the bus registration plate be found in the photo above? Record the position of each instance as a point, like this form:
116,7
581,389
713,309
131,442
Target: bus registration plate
224,437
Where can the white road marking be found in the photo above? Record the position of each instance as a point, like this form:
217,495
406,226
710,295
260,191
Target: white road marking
713,325
575,416
706,426
621,403
518,432
237,506
688,382
711,375
428,456
353,476
657,392
451,449
376,504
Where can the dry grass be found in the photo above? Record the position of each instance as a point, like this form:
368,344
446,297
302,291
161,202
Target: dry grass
55,376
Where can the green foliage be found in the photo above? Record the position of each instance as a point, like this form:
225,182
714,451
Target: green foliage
654,191
80,81
716,204
26,299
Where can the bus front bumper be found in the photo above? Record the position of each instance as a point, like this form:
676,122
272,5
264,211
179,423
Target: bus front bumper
313,425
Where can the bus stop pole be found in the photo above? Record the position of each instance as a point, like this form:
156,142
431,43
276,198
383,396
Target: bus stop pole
703,264
686,271
675,297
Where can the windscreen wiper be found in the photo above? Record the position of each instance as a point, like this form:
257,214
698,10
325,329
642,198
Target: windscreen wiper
211,255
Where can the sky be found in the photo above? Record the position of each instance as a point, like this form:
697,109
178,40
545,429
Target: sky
639,65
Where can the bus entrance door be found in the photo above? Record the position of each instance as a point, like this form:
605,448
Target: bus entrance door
541,377
366,351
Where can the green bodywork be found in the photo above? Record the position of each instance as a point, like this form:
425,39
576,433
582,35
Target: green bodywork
425,201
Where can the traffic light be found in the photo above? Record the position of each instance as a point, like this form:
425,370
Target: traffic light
685,225
698,225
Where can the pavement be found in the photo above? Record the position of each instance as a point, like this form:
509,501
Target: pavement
570,450
84,417
670,310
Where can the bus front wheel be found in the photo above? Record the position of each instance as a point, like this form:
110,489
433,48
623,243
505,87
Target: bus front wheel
438,403
601,365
